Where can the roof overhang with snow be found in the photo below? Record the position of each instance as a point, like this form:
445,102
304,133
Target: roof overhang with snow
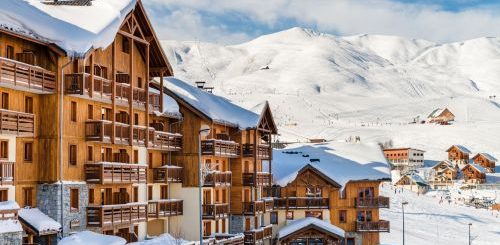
301,226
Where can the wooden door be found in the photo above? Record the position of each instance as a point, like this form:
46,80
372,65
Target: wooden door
207,197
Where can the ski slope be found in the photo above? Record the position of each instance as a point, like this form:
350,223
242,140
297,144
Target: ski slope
428,222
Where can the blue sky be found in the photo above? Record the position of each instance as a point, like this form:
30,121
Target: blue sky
236,21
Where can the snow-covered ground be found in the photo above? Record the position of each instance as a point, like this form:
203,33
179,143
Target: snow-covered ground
427,221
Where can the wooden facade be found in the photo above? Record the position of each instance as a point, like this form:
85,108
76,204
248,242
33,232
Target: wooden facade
473,174
486,161
354,207
458,154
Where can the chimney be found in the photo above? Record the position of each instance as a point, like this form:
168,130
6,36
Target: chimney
200,84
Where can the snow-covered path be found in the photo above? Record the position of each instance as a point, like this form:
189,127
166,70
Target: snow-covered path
428,222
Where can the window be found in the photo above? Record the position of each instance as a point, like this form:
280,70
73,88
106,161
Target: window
72,155
150,160
364,216
136,156
136,194
217,226
164,192
289,215
366,192
90,153
28,151
164,159
28,197
274,218
90,112
28,104
10,52
73,111
4,149
107,154
315,214
150,193
313,191
91,196
125,45
139,82
342,216
247,224
207,228
4,195
223,226
350,241
5,101
73,196
136,119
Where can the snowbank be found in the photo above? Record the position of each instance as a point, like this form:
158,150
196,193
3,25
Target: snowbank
301,223
76,29
217,108
89,237
164,239
40,221
8,205
10,225
340,161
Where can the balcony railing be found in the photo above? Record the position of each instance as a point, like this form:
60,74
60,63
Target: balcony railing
165,208
115,173
257,236
114,215
372,202
372,226
80,83
222,148
253,208
154,101
257,179
165,141
139,96
17,123
215,211
263,151
224,239
6,173
168,174
139,134
101,130
218,178
301,203
20,74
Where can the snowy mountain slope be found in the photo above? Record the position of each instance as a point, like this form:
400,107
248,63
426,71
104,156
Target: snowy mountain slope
324,86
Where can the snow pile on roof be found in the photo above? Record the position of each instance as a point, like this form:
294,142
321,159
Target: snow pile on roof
10,225
217,108
437,112
40,221
478,167
447,162
461,148
417,179
164,239
340,161
301,223
89,237
170,106
8,205
76,29
488,156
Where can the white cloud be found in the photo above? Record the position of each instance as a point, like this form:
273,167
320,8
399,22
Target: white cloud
346,17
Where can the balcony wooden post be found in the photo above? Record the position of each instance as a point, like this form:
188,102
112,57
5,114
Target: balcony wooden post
113,92
146,143
15,74
161,92
91,83
131,93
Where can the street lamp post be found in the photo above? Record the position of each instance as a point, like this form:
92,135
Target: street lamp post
204,131
470,224
403,209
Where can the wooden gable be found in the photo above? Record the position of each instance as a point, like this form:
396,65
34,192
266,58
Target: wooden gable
310,176
312,232
266,121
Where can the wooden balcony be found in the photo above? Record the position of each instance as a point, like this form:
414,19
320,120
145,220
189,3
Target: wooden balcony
218,178
257,236
254,208
215,211
168,174
114,215
115,173
221,148
17,123
257,179
165,208
263,151
166,141
372,226
139,134
101,131
372,202
154,101
6,173
21,75
302,203
139,96
224,239
80,83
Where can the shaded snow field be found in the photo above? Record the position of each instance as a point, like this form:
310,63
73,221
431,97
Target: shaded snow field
429,222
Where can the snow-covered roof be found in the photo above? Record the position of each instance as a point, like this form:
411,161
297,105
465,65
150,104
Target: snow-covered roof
447,162
477,167
75,29
487,156
218,109
416,179
461,148
296,225
10,225
38,220
89,237
170,106
164,239
8,205
436,112
340,161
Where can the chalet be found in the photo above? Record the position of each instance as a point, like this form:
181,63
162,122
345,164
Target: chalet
233,153
458,154
443,174
405,158
335,190
474,173
486,161
441,116
413,183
